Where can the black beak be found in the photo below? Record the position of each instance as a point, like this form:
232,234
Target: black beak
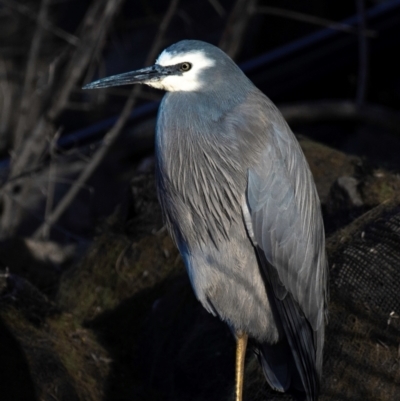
142,76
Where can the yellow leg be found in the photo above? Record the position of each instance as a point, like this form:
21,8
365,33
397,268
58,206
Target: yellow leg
241,344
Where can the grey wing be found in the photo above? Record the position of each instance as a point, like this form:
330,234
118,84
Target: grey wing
284,219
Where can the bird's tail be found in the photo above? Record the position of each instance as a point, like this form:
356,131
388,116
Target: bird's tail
292,364
279,367
274,361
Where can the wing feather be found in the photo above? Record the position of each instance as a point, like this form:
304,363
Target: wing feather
287,222
288,231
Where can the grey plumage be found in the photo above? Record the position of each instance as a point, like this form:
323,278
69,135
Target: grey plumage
241,204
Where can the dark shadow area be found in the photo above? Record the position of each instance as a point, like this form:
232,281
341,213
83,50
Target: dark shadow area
16,383
15,255
165,346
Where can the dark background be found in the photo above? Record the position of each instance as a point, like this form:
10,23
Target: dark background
293,61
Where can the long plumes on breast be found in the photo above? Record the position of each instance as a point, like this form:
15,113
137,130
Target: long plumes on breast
227,189
202,176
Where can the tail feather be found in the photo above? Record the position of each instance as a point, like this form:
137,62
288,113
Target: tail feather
303,344
274,361
300,337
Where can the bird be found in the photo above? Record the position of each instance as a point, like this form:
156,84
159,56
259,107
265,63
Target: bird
239,200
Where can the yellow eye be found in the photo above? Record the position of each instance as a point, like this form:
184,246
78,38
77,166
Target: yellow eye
185,67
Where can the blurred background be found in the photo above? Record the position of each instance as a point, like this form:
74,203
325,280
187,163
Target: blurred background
94,301
332,66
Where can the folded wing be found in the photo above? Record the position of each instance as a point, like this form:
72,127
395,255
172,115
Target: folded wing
287,229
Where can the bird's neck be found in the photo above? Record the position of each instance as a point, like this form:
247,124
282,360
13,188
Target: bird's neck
211,105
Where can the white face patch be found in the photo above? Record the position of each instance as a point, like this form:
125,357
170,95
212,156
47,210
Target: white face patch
189,80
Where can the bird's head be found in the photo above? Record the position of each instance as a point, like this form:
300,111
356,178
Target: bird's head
186,66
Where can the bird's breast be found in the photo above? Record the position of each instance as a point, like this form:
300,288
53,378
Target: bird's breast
200,180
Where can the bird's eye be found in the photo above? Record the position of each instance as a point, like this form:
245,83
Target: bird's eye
185,67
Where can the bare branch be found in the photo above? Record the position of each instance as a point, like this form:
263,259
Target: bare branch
232,37
216,5
341,110
312,19
27,12
94,29
6,95
95,25
51,184
112,135
29,76
40,218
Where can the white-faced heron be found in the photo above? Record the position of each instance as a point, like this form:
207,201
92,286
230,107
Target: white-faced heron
240,202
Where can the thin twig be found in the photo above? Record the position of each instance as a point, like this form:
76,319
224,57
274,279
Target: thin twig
233,34
93,31
27,12
51,184
95,27
362,54
312,19
89,106
112,135
29,76
6,95
67,181
217,6
40,218
101,12
341,111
